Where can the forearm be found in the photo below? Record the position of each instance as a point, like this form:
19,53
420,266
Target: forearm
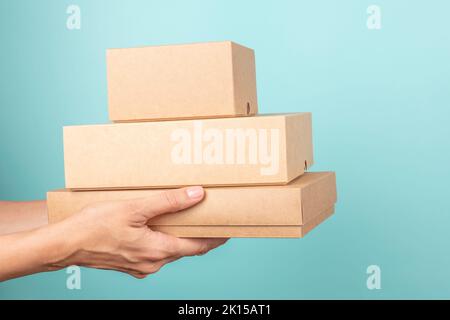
21,216
105,235
39,250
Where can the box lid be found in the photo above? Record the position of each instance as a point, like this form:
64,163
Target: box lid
294,204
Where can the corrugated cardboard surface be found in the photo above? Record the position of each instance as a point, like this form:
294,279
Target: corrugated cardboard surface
296,204
214,79
139,155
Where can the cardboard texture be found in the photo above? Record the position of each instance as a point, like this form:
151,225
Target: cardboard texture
202,80
261,211
244,231
266,149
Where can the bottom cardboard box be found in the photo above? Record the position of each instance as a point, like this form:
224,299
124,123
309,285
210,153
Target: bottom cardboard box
285,211
244,231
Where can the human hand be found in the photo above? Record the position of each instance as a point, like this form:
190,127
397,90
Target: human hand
115,235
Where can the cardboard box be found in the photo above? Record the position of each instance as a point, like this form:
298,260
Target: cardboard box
262,211
266,149
214,79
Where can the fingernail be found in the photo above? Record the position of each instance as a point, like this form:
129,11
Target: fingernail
194,192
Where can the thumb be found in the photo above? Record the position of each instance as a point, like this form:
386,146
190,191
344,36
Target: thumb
169,201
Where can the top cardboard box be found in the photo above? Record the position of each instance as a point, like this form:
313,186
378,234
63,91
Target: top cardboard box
202,80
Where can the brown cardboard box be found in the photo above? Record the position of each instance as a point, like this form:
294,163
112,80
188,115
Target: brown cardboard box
266,149
262,211
202,80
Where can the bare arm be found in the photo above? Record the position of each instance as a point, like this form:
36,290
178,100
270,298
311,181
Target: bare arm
33,251
21,216
108,235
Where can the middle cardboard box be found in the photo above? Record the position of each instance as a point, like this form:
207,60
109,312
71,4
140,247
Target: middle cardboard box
259,150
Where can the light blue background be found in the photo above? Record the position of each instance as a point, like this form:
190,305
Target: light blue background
381,109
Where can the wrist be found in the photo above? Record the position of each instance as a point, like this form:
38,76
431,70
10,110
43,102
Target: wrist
61,246
44,249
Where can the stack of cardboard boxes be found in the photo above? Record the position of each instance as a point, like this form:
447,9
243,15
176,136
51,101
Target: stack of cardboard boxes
187,115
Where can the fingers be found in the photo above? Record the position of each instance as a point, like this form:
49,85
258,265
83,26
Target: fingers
168,201
149,267
170,249
194,247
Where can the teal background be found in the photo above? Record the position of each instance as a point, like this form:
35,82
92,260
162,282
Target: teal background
381,109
